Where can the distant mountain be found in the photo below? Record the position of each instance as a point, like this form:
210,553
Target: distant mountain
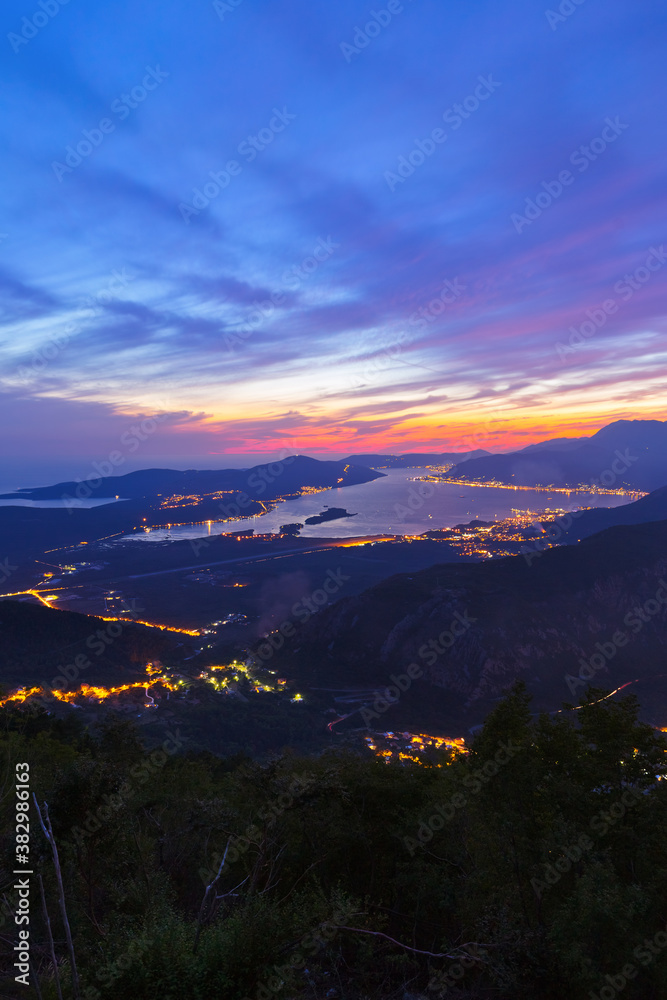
589,522
541,622
159,497
627,453
555,444
414,459
265,481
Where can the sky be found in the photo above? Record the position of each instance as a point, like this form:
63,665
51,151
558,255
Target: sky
248,228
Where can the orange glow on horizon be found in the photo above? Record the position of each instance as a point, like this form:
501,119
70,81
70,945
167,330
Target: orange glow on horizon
466,431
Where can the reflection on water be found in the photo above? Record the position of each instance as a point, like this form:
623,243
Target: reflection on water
394,505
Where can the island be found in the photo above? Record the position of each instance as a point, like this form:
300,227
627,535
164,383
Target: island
329,514
291,529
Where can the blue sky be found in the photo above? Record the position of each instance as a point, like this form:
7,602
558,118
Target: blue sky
120,301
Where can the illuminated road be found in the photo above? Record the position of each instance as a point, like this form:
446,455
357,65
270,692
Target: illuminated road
637,680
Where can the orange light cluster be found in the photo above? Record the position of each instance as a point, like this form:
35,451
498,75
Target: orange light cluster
458,745
191,499
21,695
634,494
34,593
98,693
86,691
354,543
181,501
418,743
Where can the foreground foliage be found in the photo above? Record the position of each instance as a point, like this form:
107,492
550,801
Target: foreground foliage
533,867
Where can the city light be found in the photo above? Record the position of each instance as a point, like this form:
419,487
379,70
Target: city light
414,747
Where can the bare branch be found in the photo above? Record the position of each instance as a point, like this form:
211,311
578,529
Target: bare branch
35,978
49,934
418,951
302,875
232,892
48,833
203,909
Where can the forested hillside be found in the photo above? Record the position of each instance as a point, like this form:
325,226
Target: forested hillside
534,866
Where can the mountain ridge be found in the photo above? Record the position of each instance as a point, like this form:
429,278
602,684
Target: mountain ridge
627,453
535,621
257,479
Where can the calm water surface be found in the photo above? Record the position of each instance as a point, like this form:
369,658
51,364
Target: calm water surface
393,505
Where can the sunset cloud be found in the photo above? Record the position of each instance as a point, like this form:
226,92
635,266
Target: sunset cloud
237,324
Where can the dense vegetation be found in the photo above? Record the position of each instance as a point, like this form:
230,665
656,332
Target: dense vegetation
534,867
